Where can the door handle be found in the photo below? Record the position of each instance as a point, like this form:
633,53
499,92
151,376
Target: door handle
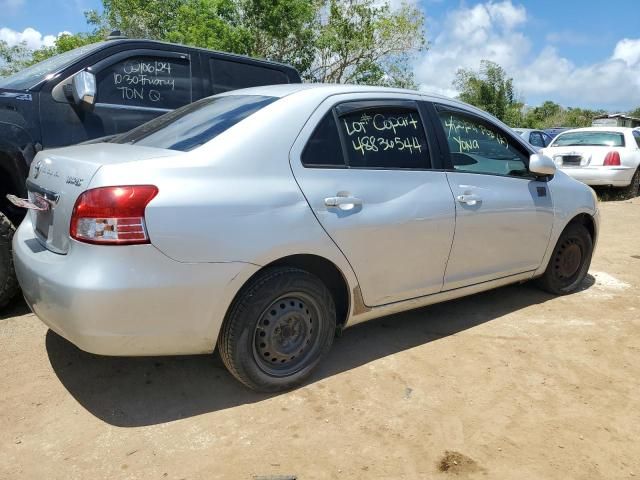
469,199
343,203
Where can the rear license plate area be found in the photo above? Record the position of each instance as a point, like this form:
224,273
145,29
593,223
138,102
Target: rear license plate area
43,218
572,160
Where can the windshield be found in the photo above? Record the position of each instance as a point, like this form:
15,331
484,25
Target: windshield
193,125
596,139
30,76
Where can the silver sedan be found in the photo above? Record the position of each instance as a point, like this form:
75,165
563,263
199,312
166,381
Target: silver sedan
263,220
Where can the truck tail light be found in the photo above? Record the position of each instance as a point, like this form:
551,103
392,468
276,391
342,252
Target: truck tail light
112,215
612,159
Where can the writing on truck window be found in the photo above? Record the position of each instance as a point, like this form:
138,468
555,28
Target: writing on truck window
385,138
140,79
146,81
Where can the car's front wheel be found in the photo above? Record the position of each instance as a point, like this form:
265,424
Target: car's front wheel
278,329
569,262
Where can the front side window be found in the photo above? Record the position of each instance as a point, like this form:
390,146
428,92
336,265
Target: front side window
195,124
637,137
385,137
478,147
146,81
589,138
547,139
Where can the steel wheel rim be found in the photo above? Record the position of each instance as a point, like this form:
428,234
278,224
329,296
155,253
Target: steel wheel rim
287,334
568,259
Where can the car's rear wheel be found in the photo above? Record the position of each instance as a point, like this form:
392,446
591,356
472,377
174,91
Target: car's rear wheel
8,282
569,262
633,189
278,329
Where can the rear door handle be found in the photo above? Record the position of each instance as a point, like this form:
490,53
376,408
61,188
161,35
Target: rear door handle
343,203
469,199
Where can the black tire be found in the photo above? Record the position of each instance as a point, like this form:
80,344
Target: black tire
8,282
569,262
278,329
633,189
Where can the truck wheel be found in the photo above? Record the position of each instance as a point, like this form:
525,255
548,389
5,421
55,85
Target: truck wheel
569,262
8,282
633,189
278,329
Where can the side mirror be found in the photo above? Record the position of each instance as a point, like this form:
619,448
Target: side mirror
541,165
83,87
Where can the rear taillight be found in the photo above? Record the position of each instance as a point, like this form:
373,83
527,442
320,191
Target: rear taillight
112,215
612,159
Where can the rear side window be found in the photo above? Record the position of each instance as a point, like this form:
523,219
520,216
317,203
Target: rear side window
229,75
478,147
323,148
637,137
595,139
195,124
385,137
146,81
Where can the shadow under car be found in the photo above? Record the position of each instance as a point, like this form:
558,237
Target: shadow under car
138,391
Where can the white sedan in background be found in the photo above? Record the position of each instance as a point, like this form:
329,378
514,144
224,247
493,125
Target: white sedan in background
600,156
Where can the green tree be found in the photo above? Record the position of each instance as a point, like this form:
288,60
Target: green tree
360,41
550,114
342,41
345,41
580,117
64,43
13,58
635,113
540,116
491,90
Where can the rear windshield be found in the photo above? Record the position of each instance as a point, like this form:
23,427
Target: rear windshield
597,139
31,76
193,125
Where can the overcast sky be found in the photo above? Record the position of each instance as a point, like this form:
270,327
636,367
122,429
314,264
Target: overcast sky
576,53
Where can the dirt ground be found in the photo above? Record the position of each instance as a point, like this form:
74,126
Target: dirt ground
510,384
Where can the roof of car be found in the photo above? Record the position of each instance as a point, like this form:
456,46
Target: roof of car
339,88
115,41
330,88
523,130
601,129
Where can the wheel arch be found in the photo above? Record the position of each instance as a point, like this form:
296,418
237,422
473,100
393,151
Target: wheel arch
586,220
326,270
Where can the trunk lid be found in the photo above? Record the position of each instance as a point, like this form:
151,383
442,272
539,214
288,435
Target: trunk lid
58,177
576,156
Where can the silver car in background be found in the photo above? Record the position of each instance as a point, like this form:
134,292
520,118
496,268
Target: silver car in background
537,138
263,220
600,156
